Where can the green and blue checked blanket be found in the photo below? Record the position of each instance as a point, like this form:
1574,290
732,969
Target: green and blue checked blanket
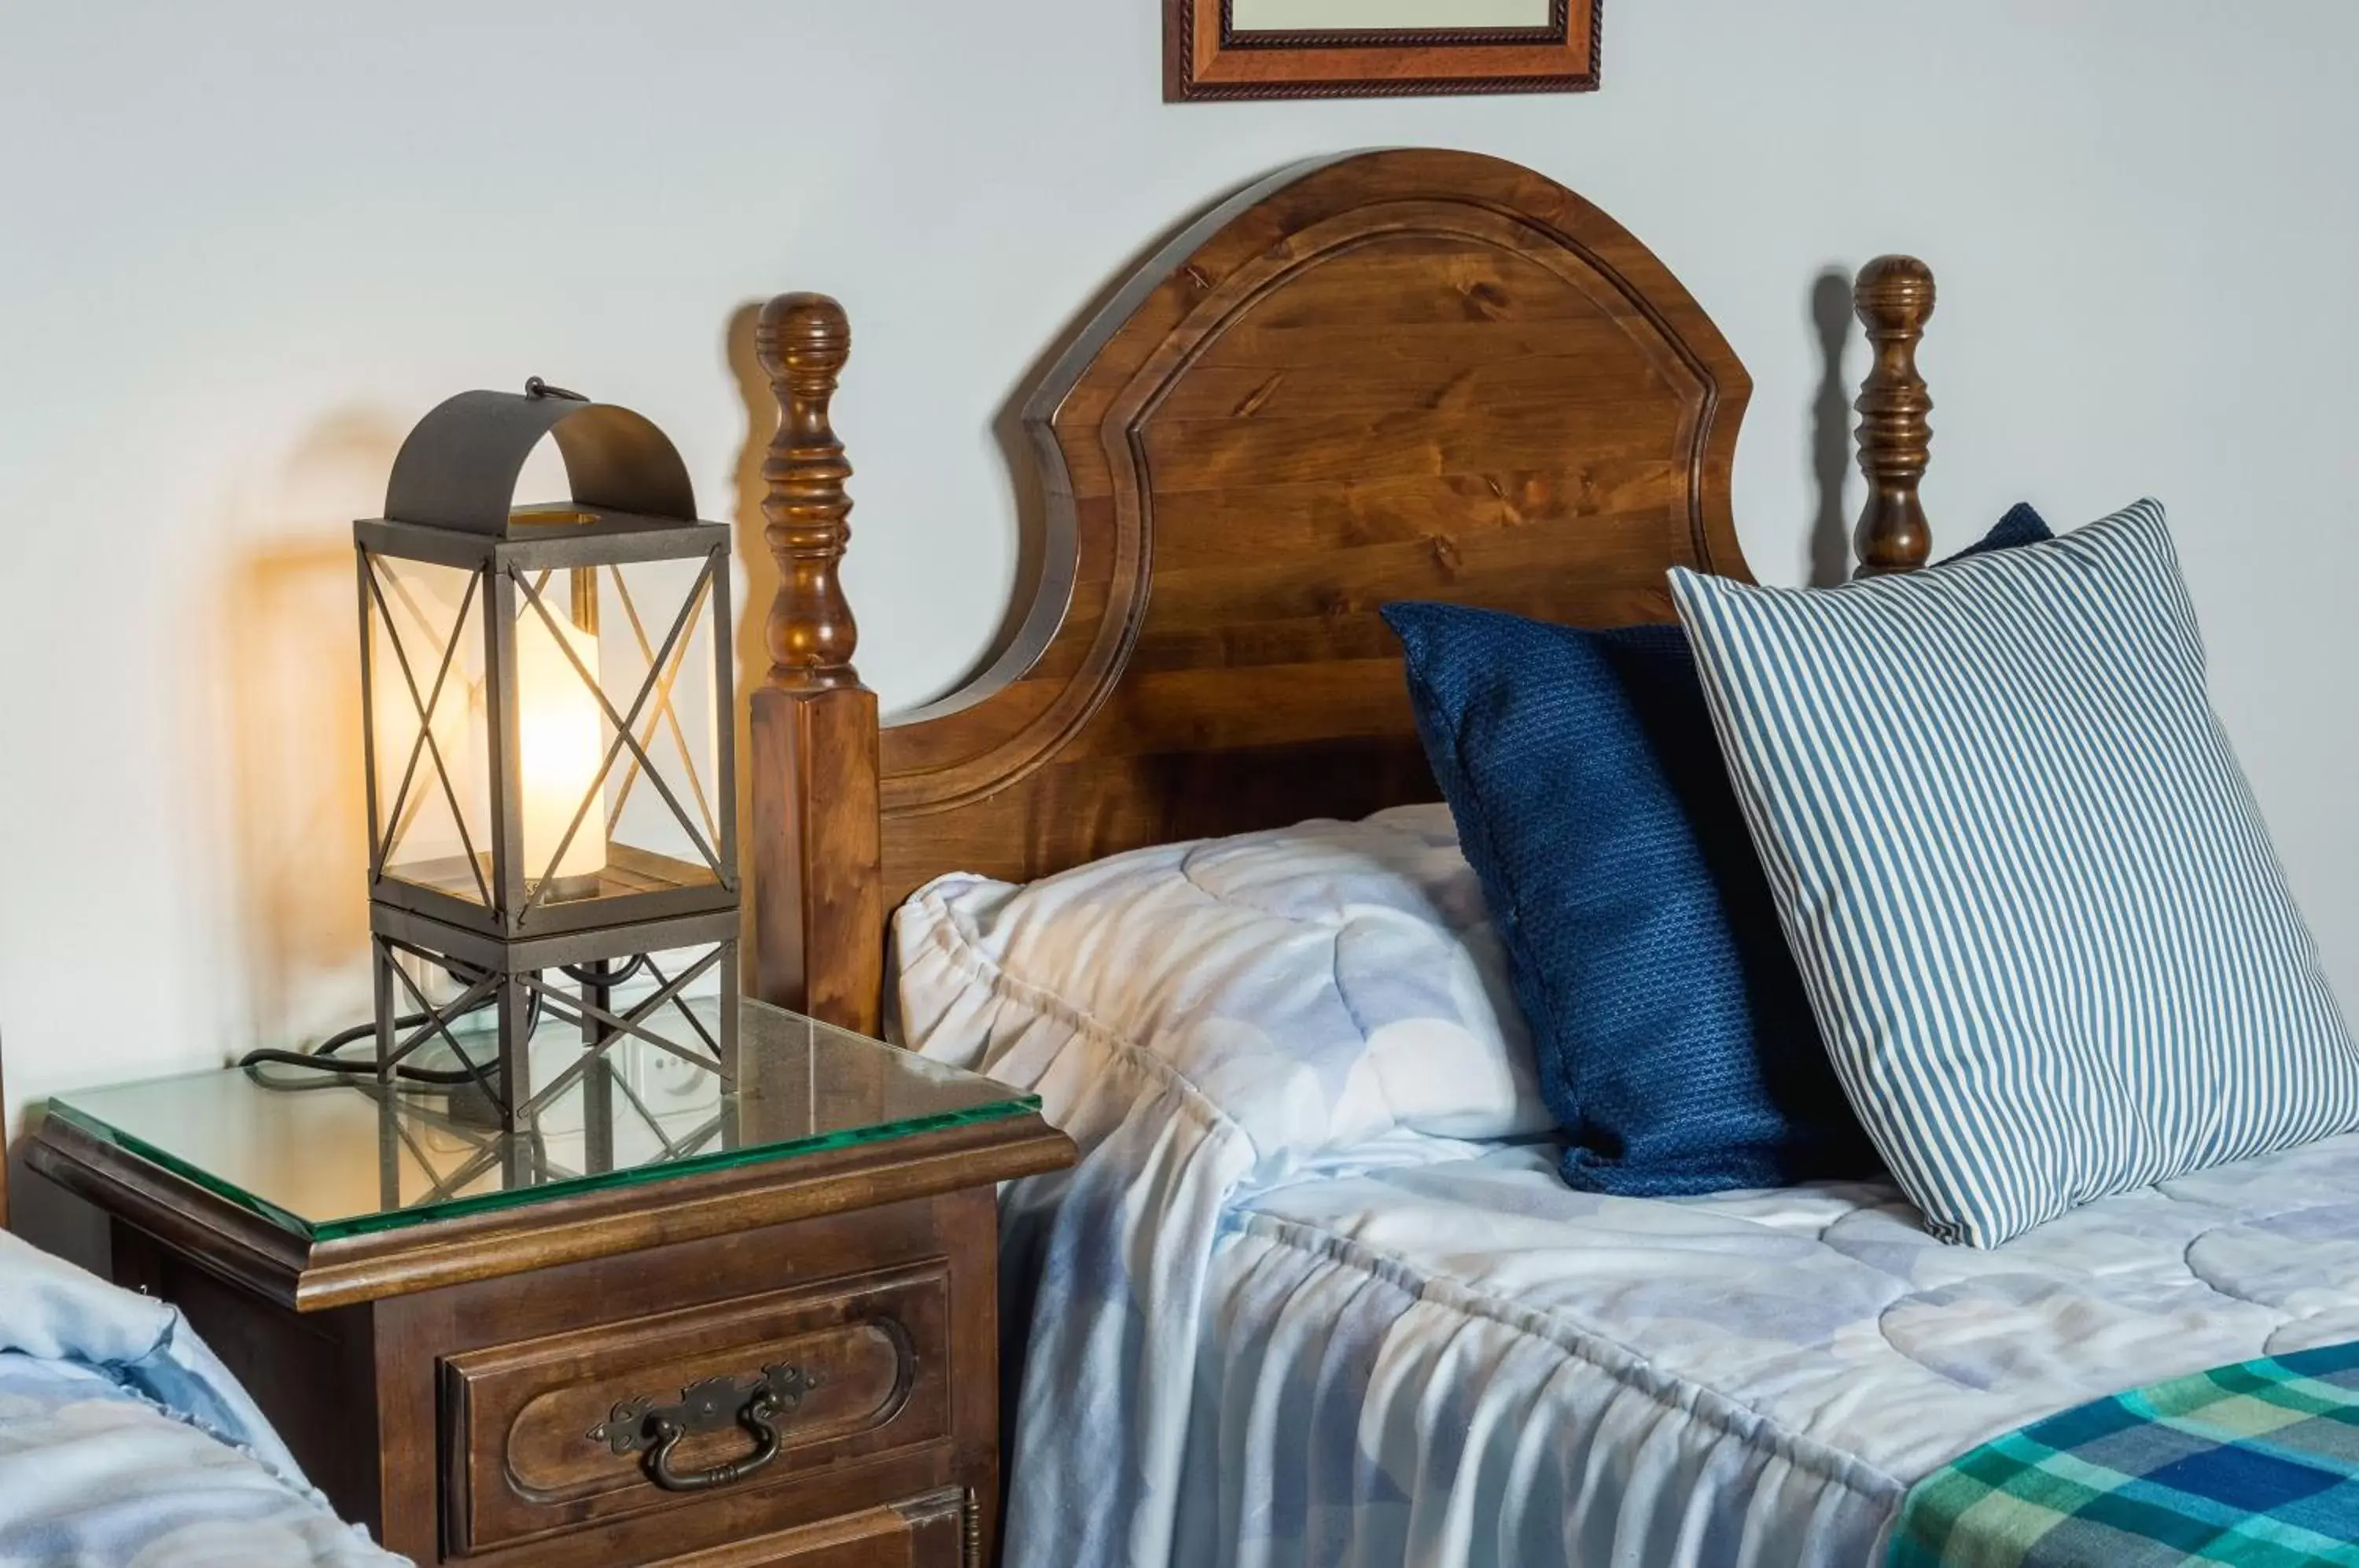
2254,1465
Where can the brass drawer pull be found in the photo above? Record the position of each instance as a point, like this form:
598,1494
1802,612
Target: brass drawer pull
759,1415
640,1424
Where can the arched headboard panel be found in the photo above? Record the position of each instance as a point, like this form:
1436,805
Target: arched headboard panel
1396,374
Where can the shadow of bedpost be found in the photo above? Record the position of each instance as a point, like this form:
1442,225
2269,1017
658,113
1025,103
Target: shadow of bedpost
1831,452
757,578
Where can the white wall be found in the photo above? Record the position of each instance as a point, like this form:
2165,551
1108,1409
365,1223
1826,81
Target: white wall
244,245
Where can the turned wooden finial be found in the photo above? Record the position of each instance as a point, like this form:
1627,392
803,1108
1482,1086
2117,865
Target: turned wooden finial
1894,299
803,341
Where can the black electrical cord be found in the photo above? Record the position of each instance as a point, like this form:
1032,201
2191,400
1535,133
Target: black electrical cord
323,1057
582,976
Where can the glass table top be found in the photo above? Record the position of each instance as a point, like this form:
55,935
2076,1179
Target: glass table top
327,1156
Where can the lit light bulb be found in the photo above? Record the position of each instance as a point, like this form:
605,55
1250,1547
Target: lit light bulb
561,743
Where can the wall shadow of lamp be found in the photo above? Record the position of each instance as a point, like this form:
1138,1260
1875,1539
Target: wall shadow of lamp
548,760
284,625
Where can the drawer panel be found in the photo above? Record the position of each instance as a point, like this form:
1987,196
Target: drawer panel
931,1532
561,1432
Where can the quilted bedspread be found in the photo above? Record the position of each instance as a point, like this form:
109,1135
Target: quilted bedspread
123,1444
1314,1295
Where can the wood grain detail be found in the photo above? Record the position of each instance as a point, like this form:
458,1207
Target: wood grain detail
1401,375
1207,58
818,940
926,1532
1409,375
1893,299
418,1373
310,1277
876,1345
818,924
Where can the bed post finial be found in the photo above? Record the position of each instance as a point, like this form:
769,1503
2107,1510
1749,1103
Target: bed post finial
816,870
803,342
1893,299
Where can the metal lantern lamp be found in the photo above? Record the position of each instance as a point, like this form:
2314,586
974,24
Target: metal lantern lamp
551,777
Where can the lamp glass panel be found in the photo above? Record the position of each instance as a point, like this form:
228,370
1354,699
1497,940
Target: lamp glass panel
562,733
653,777
427,717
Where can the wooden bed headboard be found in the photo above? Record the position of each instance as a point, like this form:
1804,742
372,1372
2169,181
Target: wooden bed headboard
1399,375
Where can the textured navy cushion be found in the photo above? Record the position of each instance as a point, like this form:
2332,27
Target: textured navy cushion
2020,526
1676,1044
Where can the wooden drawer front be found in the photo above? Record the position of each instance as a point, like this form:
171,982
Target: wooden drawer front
936,1531
534,1427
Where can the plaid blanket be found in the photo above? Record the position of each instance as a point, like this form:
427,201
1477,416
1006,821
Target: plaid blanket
2256,1463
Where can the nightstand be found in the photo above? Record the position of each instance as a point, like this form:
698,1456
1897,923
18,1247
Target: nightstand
671,1325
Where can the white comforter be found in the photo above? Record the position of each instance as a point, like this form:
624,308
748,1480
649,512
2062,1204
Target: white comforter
123,1441
1308,1300
1491,1368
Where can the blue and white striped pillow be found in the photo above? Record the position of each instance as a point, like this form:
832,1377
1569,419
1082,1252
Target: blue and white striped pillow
2044,933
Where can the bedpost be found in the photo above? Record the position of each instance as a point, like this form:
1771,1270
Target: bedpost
1893,299
817,889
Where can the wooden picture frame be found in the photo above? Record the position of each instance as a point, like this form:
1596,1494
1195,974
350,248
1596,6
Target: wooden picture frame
1207,55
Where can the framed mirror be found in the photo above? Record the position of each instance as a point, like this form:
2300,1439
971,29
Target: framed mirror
1334,48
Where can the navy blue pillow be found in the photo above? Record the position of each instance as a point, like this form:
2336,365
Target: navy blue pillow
1676,1046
